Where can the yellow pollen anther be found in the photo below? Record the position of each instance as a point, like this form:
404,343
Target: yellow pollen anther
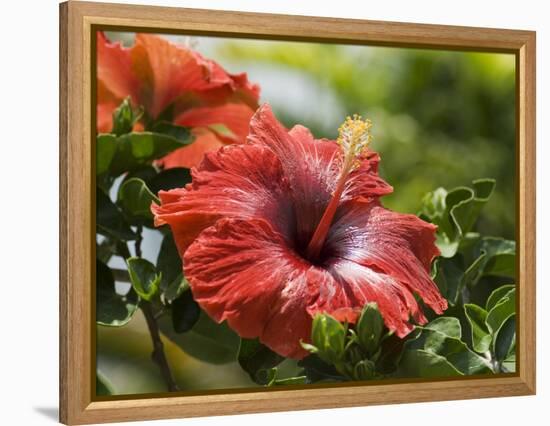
354,136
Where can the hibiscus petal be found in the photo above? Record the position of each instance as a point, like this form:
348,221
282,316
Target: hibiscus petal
165,71
313,168
230,122
191,155
168,70
244,272
239,181
363,285
212,127
401,246
114,71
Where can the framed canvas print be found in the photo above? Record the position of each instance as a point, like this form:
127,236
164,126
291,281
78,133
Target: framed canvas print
265,212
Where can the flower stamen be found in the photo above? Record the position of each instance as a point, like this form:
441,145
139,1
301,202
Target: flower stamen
354,137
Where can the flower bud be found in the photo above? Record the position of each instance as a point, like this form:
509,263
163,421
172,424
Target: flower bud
364,370
329,336
369,328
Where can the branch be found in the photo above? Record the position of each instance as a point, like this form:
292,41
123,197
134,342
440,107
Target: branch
158,355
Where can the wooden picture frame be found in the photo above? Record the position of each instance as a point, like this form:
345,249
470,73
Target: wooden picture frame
78,404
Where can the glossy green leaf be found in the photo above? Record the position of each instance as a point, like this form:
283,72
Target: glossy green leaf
448,346
254,357
317,370
137,149
174,289
449,326
481,336
169,265
112,309
501,311
105,151
433,205
473,271
465,212
179,133
144,277
109,219
185,313
135,199
501,256
509,364
506,339
498,294
425,364
457,213
449,278
176,177
206,341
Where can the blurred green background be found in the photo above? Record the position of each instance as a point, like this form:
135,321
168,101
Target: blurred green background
441,118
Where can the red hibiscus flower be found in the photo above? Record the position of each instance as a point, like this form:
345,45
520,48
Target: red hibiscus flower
158,75
285,226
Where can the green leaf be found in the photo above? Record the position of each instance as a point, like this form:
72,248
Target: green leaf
185,313
369,328
448,326
449,278
103,386
434,339
179,133
473,272
498,294
501,256
329,336
481,336
124,117
509,364
174,289
206,341
136,149
478,257
169,265
433,205
316,370
145,173
135,199
457,213
105,151
112,309
254,357
425,364
144,277
176,177
506,339
465,212
501,311
109,219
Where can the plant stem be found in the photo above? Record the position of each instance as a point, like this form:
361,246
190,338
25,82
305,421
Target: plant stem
139,239
158,355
